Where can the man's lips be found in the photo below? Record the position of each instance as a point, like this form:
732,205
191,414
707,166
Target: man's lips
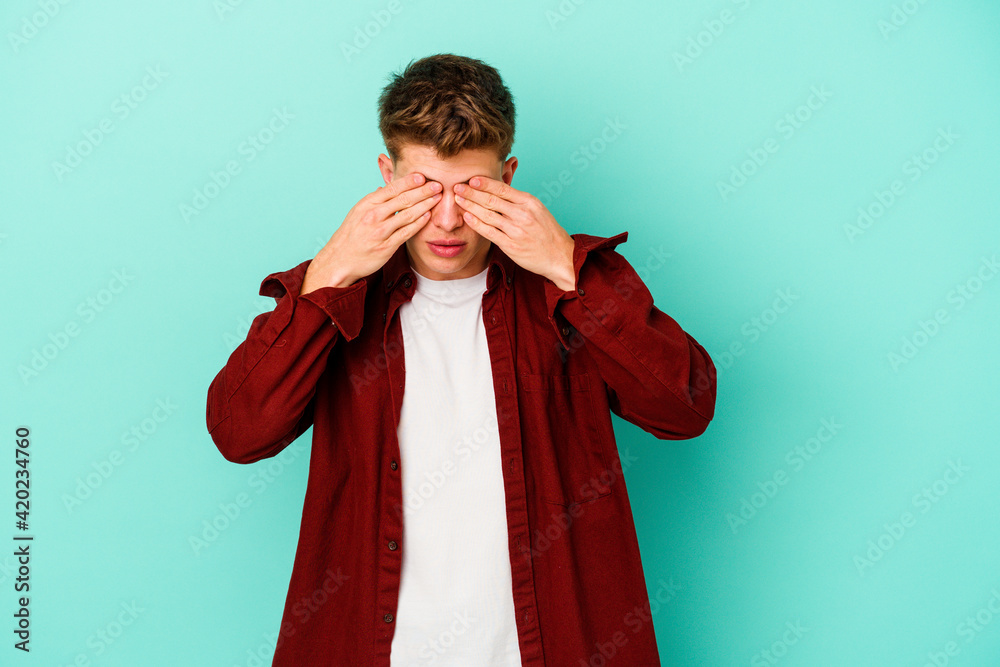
447,248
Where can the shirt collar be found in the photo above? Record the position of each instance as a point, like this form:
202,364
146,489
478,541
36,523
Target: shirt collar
398,269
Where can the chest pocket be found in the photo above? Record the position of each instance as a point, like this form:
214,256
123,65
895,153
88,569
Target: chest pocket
562,441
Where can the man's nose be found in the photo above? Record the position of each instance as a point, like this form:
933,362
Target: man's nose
447,214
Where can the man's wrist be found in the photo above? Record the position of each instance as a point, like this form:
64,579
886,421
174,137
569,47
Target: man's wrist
565,275
310,283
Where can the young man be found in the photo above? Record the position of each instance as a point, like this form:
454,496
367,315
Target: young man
459,355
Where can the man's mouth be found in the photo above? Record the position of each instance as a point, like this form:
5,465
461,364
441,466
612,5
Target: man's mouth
446,248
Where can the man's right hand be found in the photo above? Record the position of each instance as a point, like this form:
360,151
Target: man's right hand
372,231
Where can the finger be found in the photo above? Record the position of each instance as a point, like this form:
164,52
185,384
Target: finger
487,231
503,191
486,200
407,231
408,215
408,199
386,192
481,213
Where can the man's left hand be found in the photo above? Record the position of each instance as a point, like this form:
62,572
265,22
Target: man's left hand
521,225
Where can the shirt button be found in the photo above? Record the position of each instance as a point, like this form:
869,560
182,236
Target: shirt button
565,331
389,284
388,618
392,545
580,291
383,317
509,280
393,465
406,282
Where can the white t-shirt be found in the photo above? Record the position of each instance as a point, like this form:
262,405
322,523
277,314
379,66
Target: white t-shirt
456,604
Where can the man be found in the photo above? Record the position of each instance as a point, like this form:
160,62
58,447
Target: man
468,506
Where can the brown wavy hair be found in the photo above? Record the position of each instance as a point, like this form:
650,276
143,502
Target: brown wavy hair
449,103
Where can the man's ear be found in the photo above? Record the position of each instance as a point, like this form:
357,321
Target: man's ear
509,167
386,167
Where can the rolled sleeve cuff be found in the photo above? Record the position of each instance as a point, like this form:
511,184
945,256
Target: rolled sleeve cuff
584,243
343,306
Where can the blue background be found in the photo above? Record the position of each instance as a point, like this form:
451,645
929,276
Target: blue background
704,94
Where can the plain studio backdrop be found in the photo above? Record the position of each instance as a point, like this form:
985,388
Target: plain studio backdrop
810,190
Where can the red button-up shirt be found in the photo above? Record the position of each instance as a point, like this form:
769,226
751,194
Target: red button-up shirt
562,361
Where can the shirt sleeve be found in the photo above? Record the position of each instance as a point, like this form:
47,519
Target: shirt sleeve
262,399
658,377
